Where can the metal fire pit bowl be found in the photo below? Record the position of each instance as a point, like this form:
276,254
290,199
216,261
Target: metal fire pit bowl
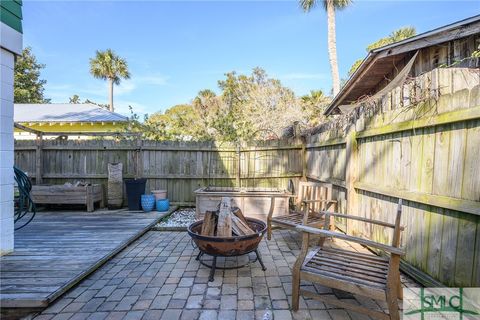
228,246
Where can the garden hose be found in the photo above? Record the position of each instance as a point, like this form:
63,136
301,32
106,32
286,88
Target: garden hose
23,202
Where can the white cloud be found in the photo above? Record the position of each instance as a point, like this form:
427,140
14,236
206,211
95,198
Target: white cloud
62,92
128,86
58,92
97,91
156,80
125,87
123,94
58,87
121,106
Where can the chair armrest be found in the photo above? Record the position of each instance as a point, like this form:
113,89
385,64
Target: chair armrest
365,242
319,200
351,217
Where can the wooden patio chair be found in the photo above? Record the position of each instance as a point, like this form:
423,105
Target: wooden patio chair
311,198
358,273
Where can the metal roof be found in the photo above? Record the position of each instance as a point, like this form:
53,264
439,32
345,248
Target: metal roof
381,60
64,112
436,31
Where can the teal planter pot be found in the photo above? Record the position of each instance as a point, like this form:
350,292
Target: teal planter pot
148,202
163,205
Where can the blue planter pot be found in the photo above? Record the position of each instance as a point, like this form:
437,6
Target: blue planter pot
148,202
163,205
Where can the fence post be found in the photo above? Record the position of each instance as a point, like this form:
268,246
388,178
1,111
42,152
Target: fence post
351,175
38,158
239,166
139,159
303,141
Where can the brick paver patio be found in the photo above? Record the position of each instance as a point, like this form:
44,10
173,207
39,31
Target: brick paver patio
157,277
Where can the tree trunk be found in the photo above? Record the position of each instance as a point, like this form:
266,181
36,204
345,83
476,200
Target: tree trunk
110,83
332,46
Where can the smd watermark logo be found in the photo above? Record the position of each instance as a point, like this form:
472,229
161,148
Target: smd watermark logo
441,303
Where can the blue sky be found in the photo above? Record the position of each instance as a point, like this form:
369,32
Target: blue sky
174,49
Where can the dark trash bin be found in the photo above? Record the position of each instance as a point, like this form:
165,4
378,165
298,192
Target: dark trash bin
135,188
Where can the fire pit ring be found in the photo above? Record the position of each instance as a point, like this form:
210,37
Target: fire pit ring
228,246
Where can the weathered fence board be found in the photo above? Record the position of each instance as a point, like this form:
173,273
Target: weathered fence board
178,167
427,154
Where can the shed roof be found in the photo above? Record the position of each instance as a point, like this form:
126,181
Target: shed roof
64,112
379,62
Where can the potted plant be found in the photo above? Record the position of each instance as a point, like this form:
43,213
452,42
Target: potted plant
135,188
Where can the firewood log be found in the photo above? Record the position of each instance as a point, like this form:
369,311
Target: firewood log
240,228
236,211
224,224
209,224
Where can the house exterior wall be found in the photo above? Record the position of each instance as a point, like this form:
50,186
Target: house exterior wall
6,152
10,45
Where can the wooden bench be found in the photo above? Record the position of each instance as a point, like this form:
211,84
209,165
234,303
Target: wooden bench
364,274
60,194
311,199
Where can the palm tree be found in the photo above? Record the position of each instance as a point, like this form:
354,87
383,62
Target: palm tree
75,99
403,33
109,66
330,6
394,36
313,105
315,98
203,100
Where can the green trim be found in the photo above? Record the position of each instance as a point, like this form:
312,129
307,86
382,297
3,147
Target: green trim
451,203
328,143
12,6
443,118
11,20
11,14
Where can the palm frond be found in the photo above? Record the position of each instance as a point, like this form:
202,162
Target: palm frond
307,5
403,33
108,65
337,4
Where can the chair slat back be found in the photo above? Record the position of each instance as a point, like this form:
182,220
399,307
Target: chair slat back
371,227
313,191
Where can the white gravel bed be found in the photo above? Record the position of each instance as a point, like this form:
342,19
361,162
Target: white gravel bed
180,218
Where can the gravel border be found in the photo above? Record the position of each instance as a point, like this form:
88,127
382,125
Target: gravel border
163,226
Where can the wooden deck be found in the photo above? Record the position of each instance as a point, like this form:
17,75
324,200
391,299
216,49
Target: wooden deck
58,249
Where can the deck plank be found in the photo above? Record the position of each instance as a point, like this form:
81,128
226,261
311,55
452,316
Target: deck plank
59,249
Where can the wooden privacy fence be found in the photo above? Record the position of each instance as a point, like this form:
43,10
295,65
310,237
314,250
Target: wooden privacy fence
427,154
178,167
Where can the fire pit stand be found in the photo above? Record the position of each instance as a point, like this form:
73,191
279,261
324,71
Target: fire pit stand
214,266
228,246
